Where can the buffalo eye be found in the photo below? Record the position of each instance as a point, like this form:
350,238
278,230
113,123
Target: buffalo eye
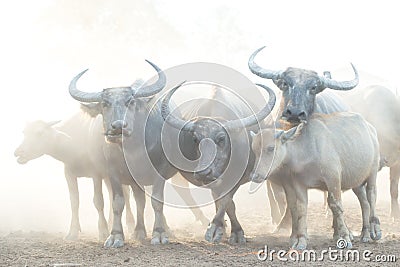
283,85
270,148
314,89
106,103
220,139
196,139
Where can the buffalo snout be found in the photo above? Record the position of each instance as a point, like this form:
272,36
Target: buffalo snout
119,124
293,114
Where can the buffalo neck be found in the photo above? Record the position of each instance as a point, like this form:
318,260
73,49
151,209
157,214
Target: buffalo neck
62,148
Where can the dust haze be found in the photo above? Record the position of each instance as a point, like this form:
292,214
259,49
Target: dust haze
46,43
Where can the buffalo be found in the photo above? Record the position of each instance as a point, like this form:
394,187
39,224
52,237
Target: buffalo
77,142
333,152
218,140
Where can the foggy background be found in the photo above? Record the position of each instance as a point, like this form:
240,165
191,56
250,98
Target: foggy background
46,43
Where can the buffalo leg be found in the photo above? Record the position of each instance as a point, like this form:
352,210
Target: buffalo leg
157,200
116,238
285,222
75,226
98,202
273,204
140,199
326,206
280,198
291,211
335,204
130,221
110,196
302,201
365,211
237,233
394,191
216,228
375,228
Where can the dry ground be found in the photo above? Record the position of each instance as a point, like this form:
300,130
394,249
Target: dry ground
187,248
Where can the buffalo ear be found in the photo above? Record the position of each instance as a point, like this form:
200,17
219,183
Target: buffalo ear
327,74
293,133
93,109
321,87
278,134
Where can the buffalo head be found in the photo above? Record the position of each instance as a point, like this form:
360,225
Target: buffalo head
211,138
38,136
299,88
269,147
117,105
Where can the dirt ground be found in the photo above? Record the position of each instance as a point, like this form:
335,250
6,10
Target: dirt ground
187,247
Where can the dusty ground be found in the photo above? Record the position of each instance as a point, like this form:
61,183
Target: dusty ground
188,249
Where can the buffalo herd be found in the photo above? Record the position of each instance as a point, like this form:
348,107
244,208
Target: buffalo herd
319,140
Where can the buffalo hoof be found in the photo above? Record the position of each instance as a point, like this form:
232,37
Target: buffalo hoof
214,233
348,234
237,238
365,235
298,243
293,241
351,236
375,229
139,235
159,238
72,236
349,245
114,241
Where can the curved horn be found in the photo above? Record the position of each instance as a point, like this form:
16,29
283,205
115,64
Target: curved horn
343,86
255,118
259,71
82,96
154,88
170,118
